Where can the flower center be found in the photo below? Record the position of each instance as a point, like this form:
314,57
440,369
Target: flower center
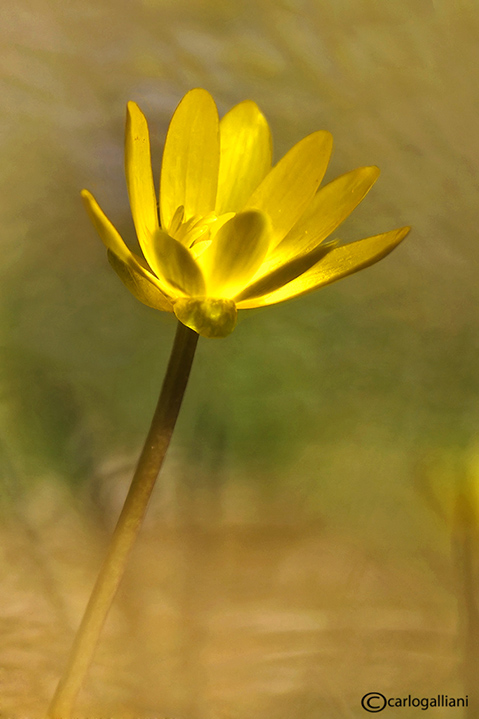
198,231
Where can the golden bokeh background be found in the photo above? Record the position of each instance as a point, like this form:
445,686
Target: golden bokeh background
294,557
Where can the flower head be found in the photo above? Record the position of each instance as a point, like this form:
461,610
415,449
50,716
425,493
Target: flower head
232,231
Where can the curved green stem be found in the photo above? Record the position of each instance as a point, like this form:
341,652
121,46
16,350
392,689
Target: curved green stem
129,523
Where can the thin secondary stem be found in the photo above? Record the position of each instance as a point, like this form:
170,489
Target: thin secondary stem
467,560
129,523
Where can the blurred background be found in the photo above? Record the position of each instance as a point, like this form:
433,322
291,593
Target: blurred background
297,553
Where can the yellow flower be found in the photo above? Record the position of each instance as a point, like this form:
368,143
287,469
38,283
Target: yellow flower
233,233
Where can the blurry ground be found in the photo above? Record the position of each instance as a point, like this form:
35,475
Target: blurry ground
222,619
294,557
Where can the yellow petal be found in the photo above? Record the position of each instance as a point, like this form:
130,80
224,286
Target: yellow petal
285,273
189,173
340,262
109,235
139,180
178,268
330,206
287,190
207,316
236,253
141,288
245,155
113,242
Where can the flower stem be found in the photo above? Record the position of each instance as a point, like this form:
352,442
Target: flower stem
129,523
